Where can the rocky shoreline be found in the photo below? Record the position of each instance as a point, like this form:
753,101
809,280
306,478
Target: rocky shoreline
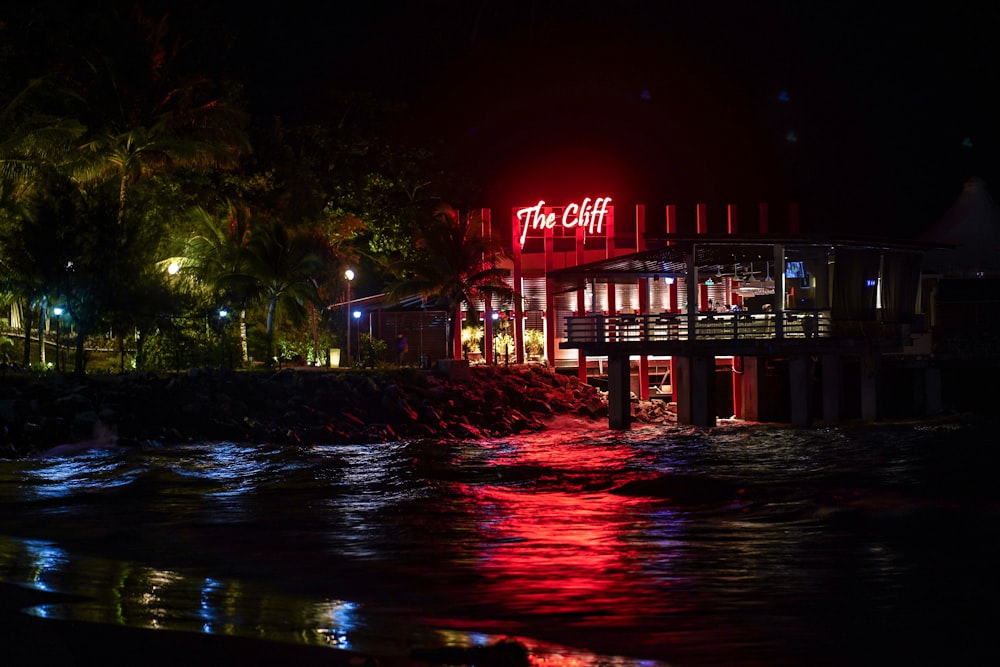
54,414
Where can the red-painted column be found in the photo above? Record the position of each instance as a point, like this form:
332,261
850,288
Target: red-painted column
515,228
671,213
581,306
738,387
702,210
737,381
640,245
488,330
550,302
487,231
609,251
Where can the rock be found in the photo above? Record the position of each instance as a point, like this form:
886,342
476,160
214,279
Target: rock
505,653
290,406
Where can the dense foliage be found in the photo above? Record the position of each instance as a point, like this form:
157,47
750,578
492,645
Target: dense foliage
170,226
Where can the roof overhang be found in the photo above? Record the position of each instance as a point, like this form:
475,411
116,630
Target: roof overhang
705,252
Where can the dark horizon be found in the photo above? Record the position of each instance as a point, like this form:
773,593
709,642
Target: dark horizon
871,117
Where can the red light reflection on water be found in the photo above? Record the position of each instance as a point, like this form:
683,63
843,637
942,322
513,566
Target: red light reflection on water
559,553
561,548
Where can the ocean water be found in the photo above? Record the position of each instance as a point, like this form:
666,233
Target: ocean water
743,544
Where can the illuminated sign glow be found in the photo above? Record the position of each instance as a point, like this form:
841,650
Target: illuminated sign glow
589,214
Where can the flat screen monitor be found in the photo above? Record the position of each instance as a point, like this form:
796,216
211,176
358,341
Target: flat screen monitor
795,270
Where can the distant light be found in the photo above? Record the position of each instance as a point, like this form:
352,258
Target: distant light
173,268
349,274
57,311
871,282
223,313
783,96
496,316
357,314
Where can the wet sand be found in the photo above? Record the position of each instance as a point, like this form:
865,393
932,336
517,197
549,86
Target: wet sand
29,640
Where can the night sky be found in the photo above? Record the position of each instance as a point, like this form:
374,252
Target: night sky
871,115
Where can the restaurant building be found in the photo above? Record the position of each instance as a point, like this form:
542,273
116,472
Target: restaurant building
547,239
732,316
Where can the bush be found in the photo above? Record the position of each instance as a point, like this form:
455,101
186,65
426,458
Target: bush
472,339
534,342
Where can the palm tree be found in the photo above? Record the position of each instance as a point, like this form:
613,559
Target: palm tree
455,264
214,260
31,142
37,247
32,139
143,118
285,267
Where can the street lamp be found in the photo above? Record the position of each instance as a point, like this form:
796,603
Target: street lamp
493,342
57,312
349,274
357,319
223,314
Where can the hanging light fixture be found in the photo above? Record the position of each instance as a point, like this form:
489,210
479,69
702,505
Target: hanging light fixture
751,286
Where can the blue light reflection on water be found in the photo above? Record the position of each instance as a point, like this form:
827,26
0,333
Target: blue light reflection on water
61,477
701,546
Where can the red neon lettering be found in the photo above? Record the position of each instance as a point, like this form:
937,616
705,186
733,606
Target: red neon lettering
589,215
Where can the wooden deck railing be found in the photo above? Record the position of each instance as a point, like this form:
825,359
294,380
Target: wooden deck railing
643,328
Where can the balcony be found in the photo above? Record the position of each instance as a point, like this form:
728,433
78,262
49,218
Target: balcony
800,325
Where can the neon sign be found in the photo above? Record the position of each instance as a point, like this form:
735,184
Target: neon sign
589,214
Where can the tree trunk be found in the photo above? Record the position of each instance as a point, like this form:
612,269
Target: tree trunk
315,332
456,333
488,332
26,318
79,365
121,199
41,334
271,307
140,350
121,352
243,338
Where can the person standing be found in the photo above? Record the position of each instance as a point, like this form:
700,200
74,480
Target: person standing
402,348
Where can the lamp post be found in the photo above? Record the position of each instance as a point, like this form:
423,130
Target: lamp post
349,274
371,346
57,312
495,317
223,314
357,319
